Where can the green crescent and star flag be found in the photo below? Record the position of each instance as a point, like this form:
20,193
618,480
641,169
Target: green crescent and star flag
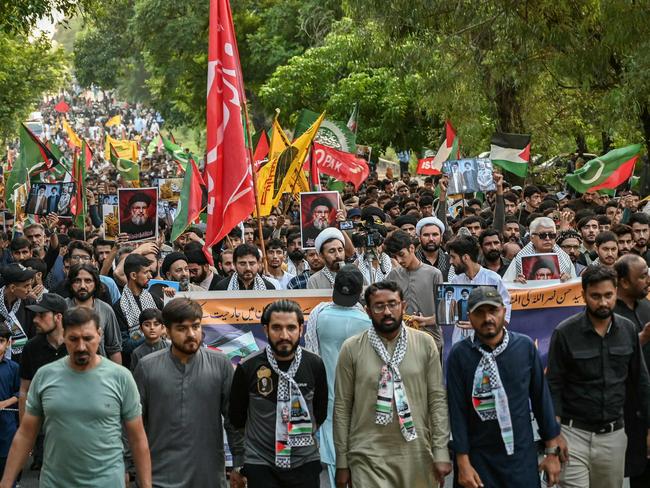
191,201
64,167
177,152
128,170
78,204
607,171
34,157
331,133
511,152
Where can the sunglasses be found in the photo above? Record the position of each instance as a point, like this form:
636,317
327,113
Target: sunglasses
545,235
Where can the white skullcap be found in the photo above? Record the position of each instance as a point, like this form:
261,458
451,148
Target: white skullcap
326,235
429,221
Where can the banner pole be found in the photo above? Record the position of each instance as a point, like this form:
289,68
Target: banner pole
252,166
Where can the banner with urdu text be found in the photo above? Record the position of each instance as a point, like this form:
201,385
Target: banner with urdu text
231,320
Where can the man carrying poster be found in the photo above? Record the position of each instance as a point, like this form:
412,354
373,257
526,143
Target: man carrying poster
138,216
317,212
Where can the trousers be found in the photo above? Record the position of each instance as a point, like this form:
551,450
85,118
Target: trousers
595,460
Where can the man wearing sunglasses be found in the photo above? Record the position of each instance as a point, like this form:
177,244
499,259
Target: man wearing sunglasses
542,240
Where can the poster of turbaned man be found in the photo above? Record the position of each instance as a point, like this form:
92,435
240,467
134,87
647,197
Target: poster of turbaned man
138,213
317,212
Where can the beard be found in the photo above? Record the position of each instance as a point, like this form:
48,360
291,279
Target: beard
387,324
601,312
492,255
297,255
184,284
485,333
138,220
81,358
82,294
284,352
431,247
320,224
188,346
460,269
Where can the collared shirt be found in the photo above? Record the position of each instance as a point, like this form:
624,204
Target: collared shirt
38,352
503,264
589,375
639,316
487,277
9,387
300,281
522,376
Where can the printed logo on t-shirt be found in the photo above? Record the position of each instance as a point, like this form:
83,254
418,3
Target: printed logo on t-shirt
264,381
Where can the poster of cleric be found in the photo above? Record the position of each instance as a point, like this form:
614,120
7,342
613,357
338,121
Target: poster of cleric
138,213
317,212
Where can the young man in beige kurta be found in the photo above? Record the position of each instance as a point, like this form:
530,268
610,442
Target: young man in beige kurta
378,455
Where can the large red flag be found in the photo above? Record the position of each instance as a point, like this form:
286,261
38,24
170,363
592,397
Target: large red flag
341,165
261,151
228,172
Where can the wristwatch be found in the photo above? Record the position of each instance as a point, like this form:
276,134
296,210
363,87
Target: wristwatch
552,451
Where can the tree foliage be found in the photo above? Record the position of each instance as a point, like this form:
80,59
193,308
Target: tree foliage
20,16
28,68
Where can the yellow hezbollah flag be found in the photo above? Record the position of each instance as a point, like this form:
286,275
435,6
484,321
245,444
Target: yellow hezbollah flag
290,163
114,120
74,138
266,174
125,149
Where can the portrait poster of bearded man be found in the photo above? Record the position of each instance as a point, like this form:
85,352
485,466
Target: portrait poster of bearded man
317,213
138,216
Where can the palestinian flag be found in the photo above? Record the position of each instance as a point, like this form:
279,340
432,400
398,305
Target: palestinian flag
511,152
606,172
33,158
128,170
449,150
191,201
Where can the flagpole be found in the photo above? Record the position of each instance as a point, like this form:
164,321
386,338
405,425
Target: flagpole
252,165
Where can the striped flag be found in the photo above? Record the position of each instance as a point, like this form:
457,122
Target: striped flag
511,152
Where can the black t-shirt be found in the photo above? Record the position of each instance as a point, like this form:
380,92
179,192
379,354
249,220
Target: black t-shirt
36,353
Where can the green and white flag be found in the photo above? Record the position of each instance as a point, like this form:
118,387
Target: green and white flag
331,133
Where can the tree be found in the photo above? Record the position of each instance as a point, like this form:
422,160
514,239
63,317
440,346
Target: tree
28,68
20,16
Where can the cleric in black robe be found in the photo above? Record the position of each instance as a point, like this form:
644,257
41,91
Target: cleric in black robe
320,211
140,224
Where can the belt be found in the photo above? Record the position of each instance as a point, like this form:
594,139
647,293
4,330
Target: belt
595,428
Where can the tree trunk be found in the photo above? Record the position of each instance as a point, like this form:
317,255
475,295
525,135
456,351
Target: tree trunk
607,142
508,107
581,144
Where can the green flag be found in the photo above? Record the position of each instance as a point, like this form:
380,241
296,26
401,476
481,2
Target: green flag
78,204
179,154
331,133
64,167
128,170
33,156
190,202
607,171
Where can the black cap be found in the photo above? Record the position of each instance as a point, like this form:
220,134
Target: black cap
406,219
170,259
140,197
49,302
16,273
321,201
348,285
484,295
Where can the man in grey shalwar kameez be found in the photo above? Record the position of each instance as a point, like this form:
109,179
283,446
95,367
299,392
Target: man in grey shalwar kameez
185,391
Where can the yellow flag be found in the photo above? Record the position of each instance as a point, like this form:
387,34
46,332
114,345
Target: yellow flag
266,174
125,149
114,120
292,158
74,138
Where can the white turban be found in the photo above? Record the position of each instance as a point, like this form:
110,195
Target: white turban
326,235
429,221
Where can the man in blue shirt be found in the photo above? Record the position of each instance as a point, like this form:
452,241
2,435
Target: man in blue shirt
493,379
9,387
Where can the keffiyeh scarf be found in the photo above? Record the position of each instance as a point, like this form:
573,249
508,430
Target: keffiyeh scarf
329,275
293,427
131,309
391,386
258,283
489,396
385,267
18,336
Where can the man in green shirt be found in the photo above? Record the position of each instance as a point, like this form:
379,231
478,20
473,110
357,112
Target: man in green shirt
82,400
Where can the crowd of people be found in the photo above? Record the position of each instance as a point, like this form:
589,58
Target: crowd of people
103,383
